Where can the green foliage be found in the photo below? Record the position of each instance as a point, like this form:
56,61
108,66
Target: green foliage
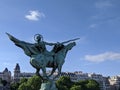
88,84
23,80
14,86
24,86
82,83
76,87
4,82
92,85
0,80
64,83
33,83
60,87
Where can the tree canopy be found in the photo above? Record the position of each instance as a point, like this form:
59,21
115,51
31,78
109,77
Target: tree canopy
32,83
63,83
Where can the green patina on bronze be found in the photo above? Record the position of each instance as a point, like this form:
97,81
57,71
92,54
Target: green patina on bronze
40,57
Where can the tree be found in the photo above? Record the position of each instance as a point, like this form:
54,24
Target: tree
92,85
23,80
33,83
88,84
4,82
76,87
82,83
64,83
60,87
14,86
24,86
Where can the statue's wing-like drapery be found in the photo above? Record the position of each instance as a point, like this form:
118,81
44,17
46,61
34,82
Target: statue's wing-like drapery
28,48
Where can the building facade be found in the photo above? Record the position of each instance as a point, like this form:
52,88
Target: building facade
79,75
115,82
6,75
106,83
18,74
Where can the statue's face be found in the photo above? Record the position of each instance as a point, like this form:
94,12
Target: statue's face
38,37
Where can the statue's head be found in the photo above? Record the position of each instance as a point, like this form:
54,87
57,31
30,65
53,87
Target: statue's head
38,38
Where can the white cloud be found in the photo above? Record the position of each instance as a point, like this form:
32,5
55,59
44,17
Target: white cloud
34,15
93,25
103,4
103,57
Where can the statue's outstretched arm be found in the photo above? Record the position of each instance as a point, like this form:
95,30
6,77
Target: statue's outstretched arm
69,40
50,43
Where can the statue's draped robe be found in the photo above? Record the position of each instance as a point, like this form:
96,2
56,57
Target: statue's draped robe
29,49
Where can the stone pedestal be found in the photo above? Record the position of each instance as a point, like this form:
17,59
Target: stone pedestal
50,85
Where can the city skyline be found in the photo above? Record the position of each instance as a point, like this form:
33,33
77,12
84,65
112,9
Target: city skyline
95,22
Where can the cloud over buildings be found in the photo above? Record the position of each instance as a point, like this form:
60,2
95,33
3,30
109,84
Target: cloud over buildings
34,15
102,57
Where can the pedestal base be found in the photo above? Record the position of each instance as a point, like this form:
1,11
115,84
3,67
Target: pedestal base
48,86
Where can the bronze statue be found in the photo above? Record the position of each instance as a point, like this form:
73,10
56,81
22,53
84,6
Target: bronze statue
40,57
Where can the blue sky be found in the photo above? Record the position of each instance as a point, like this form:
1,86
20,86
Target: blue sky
96,22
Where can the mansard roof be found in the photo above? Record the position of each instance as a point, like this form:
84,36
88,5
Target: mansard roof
6,70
